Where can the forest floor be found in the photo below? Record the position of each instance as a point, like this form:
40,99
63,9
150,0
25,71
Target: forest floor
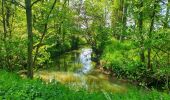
13,87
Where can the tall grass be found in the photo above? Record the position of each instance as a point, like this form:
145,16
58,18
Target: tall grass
13,87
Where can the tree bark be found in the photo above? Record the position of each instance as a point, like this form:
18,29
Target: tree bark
30,38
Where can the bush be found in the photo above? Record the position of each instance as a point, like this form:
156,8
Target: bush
123,60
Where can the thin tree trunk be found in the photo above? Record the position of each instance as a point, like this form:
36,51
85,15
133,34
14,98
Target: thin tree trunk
150,32
140,22
30,38
168,53
5,31
124,18
3,20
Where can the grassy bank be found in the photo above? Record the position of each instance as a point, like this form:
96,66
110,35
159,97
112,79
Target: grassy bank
123,60
13,87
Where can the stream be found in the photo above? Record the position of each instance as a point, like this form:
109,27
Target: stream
76,70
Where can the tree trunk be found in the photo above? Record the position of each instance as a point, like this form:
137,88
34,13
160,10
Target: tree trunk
5,22
150,32
140,23
124,17
168,54
30,38
3,19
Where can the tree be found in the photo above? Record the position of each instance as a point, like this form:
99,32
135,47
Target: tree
97,32
153,15
44,32
30,38
140,26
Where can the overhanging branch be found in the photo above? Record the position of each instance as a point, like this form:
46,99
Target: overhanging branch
35,2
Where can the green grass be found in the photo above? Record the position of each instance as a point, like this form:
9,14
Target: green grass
13,87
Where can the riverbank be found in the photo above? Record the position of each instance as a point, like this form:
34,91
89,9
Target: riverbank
13,87
121,60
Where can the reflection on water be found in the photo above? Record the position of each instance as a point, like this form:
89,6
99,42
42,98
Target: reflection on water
85,60
76,70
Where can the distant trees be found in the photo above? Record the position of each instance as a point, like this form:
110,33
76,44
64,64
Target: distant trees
96,31
7,15
119,18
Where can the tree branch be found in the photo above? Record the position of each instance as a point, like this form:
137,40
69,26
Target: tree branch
35,2
44,32
17,3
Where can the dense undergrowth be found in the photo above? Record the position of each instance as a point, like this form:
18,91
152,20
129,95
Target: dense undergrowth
122,59
13,87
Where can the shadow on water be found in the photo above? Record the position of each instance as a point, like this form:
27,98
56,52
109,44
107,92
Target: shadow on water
77,71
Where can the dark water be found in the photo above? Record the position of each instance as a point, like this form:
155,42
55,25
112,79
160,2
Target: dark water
76,70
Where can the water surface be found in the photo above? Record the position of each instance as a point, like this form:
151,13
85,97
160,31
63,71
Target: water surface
76,70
